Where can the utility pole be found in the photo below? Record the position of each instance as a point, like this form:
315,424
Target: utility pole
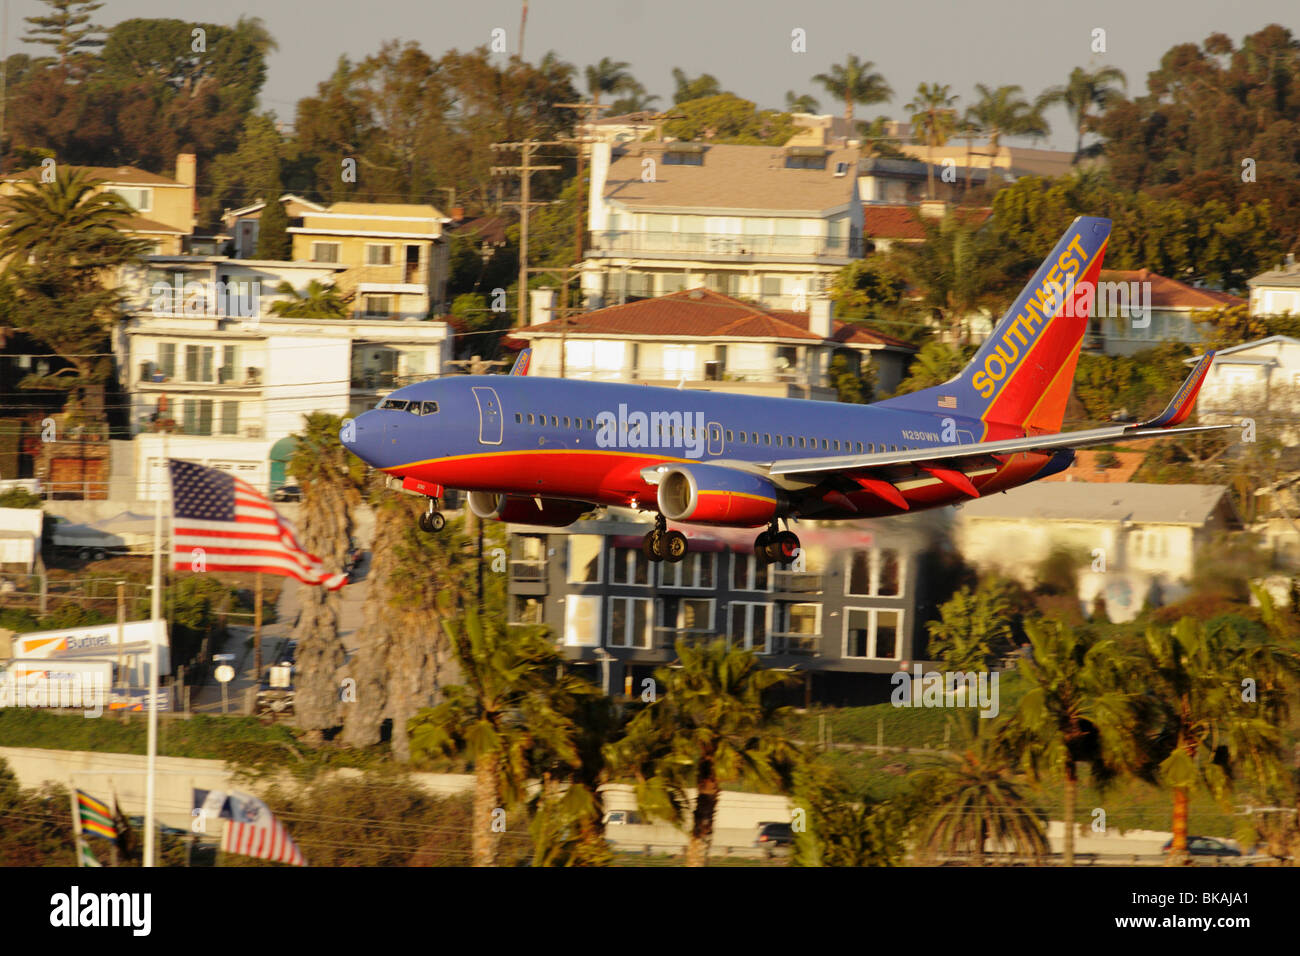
525,171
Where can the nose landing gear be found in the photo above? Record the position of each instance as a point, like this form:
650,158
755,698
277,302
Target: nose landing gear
660,544
774,546
432,521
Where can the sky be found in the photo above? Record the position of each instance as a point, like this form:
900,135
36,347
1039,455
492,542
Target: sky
746,44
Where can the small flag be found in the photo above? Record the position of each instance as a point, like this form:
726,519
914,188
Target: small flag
86,858
223,522
96,818
947,401
251,827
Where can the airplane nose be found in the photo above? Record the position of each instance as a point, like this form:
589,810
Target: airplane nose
351,434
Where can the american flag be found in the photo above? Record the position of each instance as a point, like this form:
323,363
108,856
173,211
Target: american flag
947,401
219,523
251,828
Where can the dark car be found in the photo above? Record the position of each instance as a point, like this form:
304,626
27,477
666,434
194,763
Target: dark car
287,493
772,836
1206,846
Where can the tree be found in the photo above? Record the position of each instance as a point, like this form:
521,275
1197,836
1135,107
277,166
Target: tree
1004,111
253,171
330,478
608,76
67,30
934,364
1221,705
854,81
1078,710
273,240
976,797
708,724
702,86
60,240
635,99
934,119
856,388
726,118
976,628
504,711
317,301
800,103
1081,95
844,829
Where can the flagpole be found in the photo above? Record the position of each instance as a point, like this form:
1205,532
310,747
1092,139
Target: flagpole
152,745
76,821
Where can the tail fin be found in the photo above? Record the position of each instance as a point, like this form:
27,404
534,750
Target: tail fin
521,363
1022,374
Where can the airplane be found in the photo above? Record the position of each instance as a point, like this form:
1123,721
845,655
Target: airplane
545,451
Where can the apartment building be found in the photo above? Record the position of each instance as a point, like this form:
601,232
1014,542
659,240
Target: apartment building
848,614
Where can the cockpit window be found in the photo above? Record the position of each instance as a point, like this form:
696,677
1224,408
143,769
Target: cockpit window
396,404
428,408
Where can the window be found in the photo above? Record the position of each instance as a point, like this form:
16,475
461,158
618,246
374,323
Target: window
582,620
743,437
530,418
753,437
198,363
778,441
167,359
629,622
800,626
424,408
805,162
396,404
687,615
872,632
325,251
771,286
577,423
230,418
748,626
874,572
859,448
802,443
379,254
767,438
525,609
566,421
584,558
693,571
377,306
629,567
519,419
590,425
729,437
747,574
141,200
672,158
198,417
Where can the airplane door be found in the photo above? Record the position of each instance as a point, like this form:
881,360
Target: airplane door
715,438
964,437
489,415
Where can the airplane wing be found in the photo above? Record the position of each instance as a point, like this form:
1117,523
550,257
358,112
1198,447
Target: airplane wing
1161,426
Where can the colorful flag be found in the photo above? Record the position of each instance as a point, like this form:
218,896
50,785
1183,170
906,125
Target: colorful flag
96,817
86,858
251,827
220,523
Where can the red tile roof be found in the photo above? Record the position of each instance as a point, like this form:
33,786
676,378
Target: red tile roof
708,314
1169,293
904,222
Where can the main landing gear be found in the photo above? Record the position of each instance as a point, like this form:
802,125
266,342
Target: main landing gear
432,521
774,546
661,544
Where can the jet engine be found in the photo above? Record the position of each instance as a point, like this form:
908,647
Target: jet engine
714,494
517,509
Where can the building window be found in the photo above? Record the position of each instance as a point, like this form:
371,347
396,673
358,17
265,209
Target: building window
198,363
325,251
582,620
379,254
771,286
748,626
230,418
229,364
378,306
672,158
747,574
872,633
805,162
693,571
630,566
198,417
584,558
167,359
798,627
629,622
670,282
139,199
525,609
686,615
874,572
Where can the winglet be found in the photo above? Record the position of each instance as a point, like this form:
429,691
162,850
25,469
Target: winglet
521,363
1180,406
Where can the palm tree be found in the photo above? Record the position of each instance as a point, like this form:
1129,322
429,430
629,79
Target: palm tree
934,119
1081,94
607,76
706,84
975,797
331,480
974,627
317,301
803,103
709,724
1208,730
854,81
635,99
1004,111
1077,711
506,710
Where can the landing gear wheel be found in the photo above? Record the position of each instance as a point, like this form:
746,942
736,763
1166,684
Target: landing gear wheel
784,547
432,522
652,545
760,548
674,546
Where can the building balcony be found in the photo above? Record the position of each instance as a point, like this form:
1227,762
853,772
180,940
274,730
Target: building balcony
378,380
529,570
721,246
797,582
805,645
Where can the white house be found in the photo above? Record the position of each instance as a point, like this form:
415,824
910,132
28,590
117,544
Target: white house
1135,543
1276,291
1258,380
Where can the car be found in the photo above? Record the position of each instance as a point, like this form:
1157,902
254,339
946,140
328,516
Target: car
287,493
1206,846
773,836
619,817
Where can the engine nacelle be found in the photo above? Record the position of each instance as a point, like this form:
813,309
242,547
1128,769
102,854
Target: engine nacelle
713,494
516,509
